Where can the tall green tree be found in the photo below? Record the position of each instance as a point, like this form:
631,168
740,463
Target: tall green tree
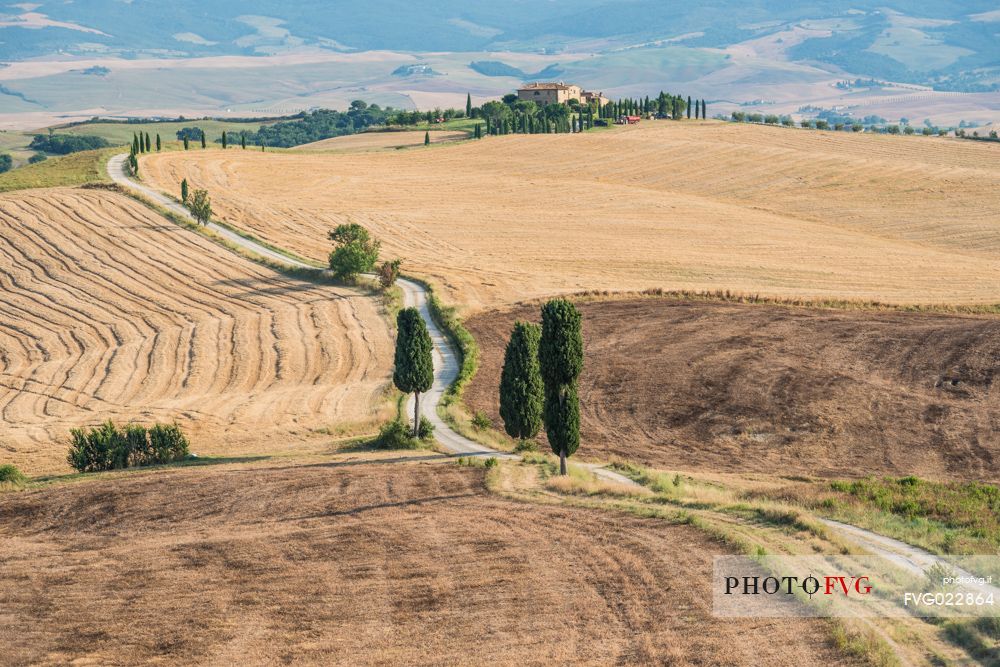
427,138
243,140
468,105
204,143
159,144
522,394
186,143
149,144
225,140
200,206
414,371
356,251
704,112
184,191
560,357
135,144
689,107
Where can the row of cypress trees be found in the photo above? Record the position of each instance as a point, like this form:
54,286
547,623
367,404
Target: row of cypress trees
539,381
141,143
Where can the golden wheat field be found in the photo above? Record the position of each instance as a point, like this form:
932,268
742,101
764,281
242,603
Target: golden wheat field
381,140
112,312
695,205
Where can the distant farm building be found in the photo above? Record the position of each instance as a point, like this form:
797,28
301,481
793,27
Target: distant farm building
558,93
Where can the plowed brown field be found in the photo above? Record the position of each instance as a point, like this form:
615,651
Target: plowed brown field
699,205
110,311
381,140
358,564
728,387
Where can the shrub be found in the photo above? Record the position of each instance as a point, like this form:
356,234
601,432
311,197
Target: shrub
425,431
908,130
167,443
108,447
481,421
36,158
806,124
388,273
839,127
396,435
788,121
857,127
10,474
771,119
6,163
822,125
526,446
491,462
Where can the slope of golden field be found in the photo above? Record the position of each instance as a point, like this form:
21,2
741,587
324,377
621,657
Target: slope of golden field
350,563
379,140
695,205
110,311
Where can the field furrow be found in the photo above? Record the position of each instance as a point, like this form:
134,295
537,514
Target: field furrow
113,312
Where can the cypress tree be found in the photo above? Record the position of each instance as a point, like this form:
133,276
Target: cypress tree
149,144
185,142
689,107
521,391
414,372
184,191
159,144
427,138
224,140
704,113
560,356
243,140
135,144
468,105
204,144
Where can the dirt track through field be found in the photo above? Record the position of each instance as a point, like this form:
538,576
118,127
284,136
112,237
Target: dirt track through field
115,313
676,205
727,387
360,563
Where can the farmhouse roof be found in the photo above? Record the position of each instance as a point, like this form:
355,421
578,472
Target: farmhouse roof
545,86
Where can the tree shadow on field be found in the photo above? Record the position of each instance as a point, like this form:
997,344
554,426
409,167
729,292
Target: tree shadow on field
279,286
416,502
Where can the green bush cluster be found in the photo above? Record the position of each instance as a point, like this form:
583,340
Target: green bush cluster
109,447
398,435
10,474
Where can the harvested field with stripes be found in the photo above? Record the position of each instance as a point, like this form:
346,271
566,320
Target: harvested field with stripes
112,312
349,562
694,205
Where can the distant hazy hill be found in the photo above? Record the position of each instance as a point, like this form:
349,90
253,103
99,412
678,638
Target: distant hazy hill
927,41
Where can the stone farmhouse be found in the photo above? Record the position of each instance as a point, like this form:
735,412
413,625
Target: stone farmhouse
558,93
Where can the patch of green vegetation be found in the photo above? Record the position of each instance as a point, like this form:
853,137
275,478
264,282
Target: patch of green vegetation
10,476
120,134
478,461
397,434
951,518
68,171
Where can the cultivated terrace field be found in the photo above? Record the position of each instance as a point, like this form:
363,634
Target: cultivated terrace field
113,312
348,562
699,205
709,386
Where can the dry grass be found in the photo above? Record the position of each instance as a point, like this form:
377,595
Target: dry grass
356,562
368,141
774,389
113,312
690,206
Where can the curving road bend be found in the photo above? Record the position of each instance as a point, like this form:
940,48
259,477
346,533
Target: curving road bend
446,364
446,368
